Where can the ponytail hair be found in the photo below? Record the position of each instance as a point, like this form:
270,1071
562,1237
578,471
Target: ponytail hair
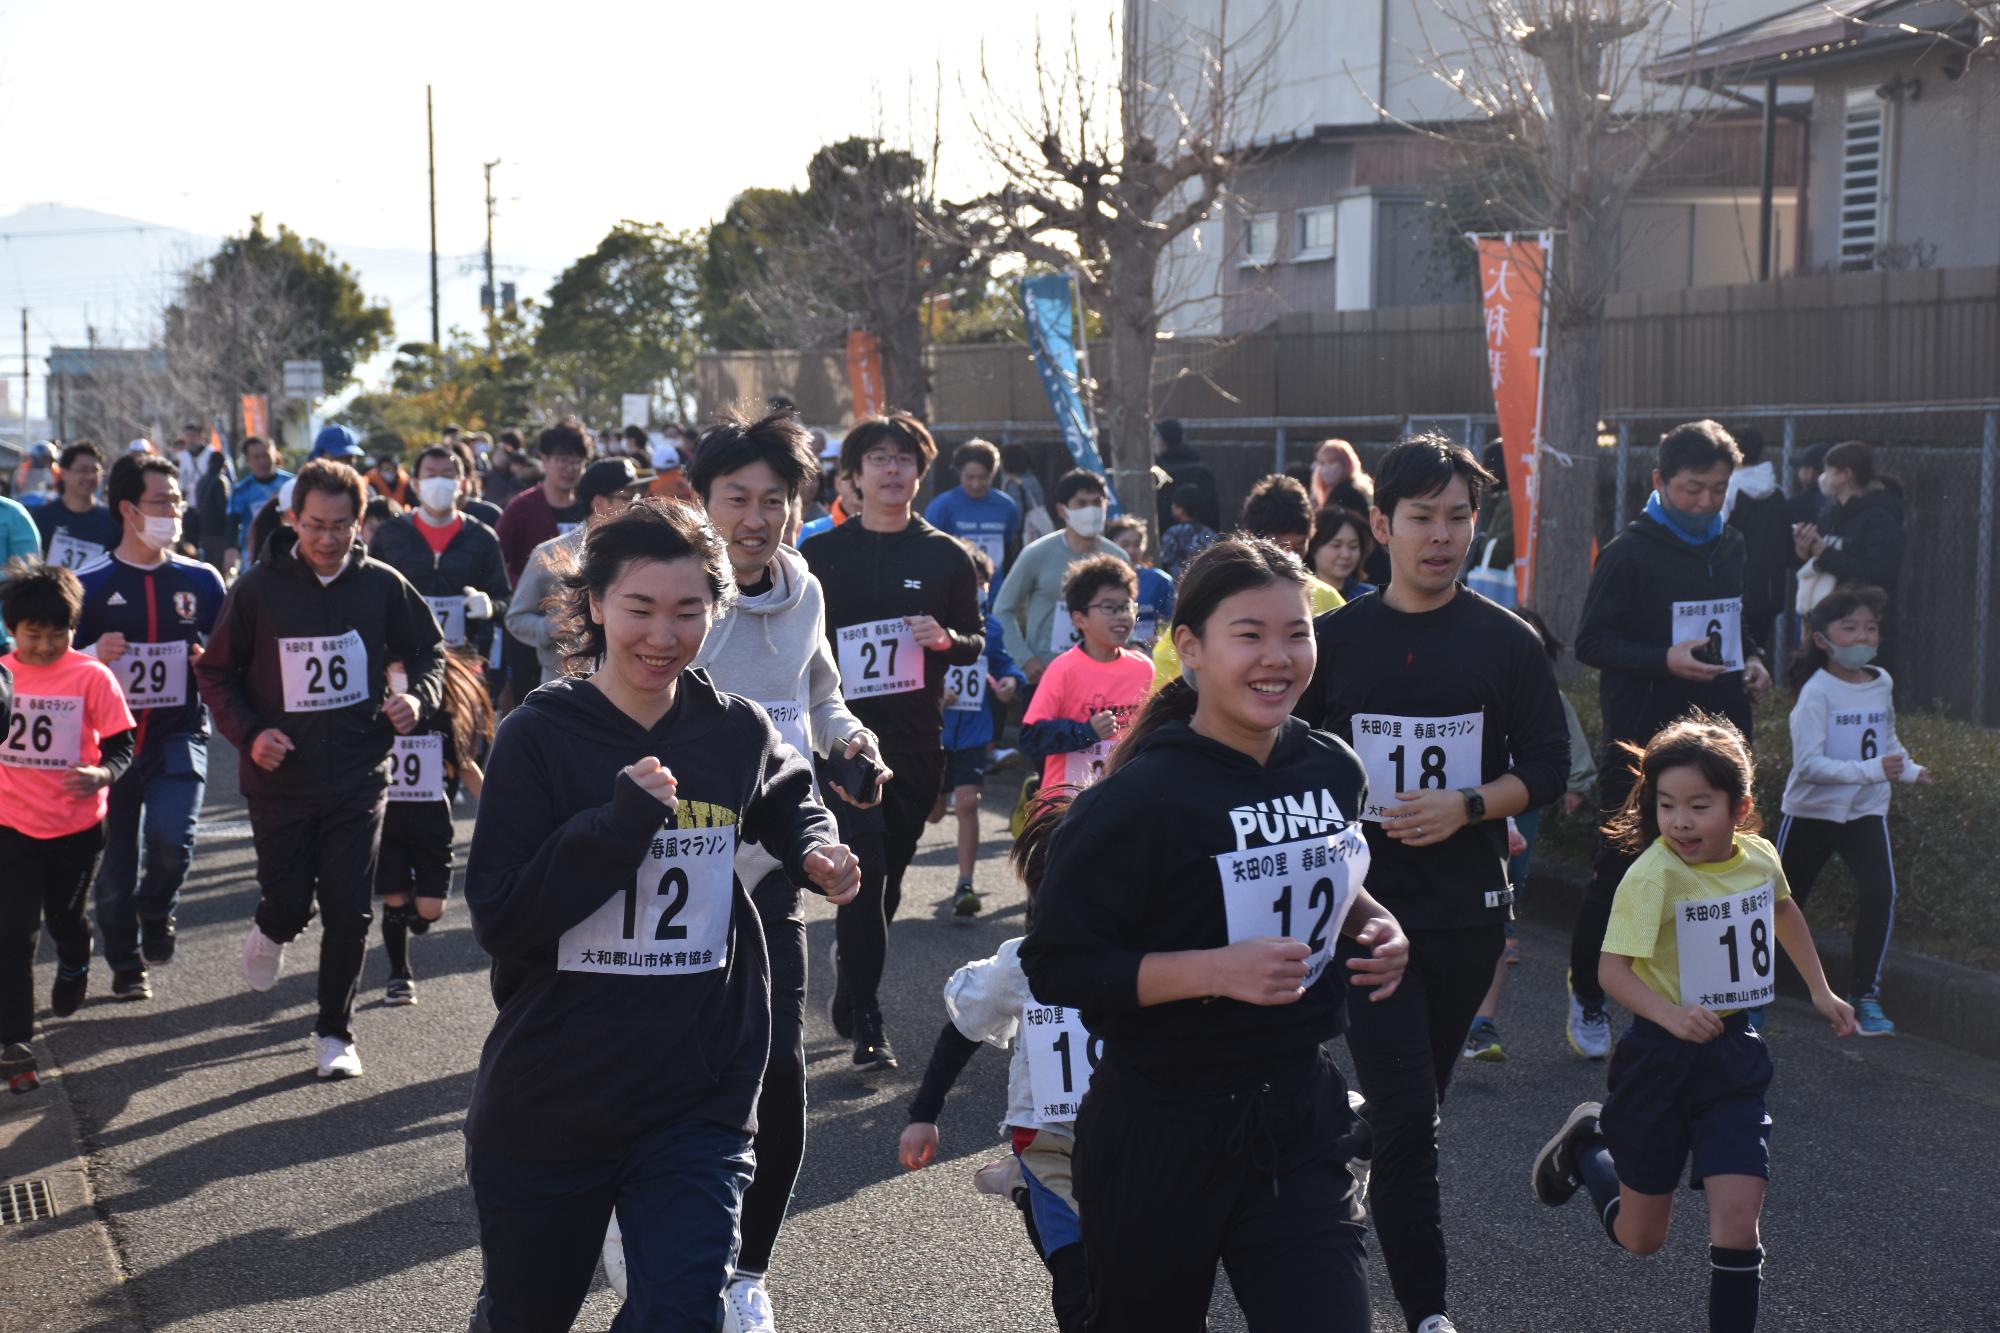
1837,605
467,708
1217,572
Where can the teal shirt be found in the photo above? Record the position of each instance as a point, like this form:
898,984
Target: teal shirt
18,536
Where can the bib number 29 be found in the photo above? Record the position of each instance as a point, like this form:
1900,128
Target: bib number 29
147,676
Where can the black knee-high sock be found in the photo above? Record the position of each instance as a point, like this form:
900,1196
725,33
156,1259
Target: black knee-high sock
1735,1280
396,939
1594,1167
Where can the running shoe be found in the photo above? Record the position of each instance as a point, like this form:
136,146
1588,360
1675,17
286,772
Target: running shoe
68,992
965,901
17,1066
129,986
1870,1021
156,941
840,1009
746,1306
336,1057
1483,1042
263,959
1589,1028
1555,1176
614,1256
999,1177
1437,1323
1361,1146
401,994
871,1045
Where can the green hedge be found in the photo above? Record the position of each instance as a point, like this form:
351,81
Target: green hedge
1946,837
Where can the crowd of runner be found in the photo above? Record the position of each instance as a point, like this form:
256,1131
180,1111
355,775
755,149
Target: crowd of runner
1279,782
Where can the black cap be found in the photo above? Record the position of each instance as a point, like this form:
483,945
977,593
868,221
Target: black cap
1814,456
607,476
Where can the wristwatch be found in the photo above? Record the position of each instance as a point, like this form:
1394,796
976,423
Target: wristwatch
1475,804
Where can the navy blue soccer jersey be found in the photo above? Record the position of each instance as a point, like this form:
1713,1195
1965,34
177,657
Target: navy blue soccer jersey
156,608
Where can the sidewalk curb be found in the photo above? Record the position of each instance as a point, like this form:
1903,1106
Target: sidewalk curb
1927,997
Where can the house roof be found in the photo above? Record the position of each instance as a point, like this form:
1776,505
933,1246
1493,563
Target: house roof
1815,35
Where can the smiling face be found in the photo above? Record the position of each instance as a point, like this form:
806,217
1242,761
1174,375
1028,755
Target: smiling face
1251,661
80,479
1337,557
1697,819
1427,537
655,615
748,508
37,644
888,476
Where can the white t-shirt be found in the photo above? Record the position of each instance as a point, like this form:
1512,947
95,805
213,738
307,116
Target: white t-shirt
985,1000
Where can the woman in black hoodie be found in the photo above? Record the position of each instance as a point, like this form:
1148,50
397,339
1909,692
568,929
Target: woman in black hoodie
629,968
1190,909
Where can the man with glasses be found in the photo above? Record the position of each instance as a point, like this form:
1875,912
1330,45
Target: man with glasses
902,605
296,673
1029,605
539,514
146,614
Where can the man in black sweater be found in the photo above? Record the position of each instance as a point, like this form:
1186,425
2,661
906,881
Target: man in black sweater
1451,703
902,604
1664,625
450,557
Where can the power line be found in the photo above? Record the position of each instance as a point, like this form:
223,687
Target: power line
129,229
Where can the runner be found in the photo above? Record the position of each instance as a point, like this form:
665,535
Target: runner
1688,947
622,1071
1090,694
607,487
75,527
448,556
1452,705
974,511
67,738
296,675
146,614
1189,909
973,698
1029,604
539,514
902,607
771,647
1663,625
18,536
1156,590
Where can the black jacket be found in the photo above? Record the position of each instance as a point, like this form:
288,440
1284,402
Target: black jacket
1628,627
1139,866
870,576
588,1055
1184,467
471,560
1766,525
335,751
1864,540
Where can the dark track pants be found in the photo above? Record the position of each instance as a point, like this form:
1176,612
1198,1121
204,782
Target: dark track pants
321,850
1806,845
1593,914
45,879
781,1106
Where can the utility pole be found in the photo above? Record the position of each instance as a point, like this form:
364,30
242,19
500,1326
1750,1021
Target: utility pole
430,145
24,381
492,290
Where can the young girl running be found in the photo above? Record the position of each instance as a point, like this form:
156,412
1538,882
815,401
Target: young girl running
413,871
1050,1059
1190,908
629,968
1688,952
1845,753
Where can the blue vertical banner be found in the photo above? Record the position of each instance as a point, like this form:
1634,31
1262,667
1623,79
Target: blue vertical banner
1048,301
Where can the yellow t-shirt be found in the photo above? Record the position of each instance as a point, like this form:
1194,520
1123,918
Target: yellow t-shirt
1167,658
1646,920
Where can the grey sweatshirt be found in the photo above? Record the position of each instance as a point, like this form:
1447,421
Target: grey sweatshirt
525,620
1032,590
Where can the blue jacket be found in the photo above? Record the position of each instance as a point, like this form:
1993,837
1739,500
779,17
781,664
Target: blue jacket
969,731
178,600
245,500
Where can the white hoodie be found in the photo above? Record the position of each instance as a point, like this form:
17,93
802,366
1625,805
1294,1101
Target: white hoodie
1834,725
1756,481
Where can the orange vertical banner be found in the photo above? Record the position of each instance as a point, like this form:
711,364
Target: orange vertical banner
864,372
1511,270
256,420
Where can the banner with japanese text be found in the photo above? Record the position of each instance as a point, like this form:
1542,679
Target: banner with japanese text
1511,270
864,372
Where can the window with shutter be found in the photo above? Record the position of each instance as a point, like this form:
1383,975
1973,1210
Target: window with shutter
1864,178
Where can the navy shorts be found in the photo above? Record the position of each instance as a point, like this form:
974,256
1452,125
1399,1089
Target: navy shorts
1670,1098
965,768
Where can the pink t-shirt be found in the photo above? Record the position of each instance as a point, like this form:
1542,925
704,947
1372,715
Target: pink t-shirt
60,714
1076,687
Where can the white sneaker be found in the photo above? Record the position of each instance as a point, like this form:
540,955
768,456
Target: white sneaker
1589,1029
614,1257
337,1057
746,1307
263,959
1437,1323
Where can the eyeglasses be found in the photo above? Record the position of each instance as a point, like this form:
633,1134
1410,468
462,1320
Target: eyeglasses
341,529
882,459
1115,608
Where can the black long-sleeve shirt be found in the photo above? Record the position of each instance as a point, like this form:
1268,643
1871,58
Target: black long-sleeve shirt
1440,700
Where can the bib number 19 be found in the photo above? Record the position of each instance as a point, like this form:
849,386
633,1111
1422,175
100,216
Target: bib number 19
1093,1051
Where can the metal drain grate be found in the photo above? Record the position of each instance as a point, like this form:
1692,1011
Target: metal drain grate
26,1201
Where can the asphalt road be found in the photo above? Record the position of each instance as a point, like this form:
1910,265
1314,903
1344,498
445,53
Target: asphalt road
242,1194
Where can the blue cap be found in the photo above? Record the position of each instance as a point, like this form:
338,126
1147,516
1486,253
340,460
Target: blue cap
335,442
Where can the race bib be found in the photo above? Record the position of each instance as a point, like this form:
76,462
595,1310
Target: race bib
416,769
450,613
1063,633
1062,1055
1720,622
881,657
968,683
1725,947
1082,768
72,552
671,920
323,673
1859,734
1300,890
44,731
1417,754
993,543
790,720
153,675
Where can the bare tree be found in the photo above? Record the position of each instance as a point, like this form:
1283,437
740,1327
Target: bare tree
1974,30
229,332
1103,176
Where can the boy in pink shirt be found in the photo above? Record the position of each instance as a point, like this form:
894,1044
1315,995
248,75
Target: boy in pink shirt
1090,693
65,738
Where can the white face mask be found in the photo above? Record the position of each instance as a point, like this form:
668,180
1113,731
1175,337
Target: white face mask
1085,520
437,494
160,533
1826,484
